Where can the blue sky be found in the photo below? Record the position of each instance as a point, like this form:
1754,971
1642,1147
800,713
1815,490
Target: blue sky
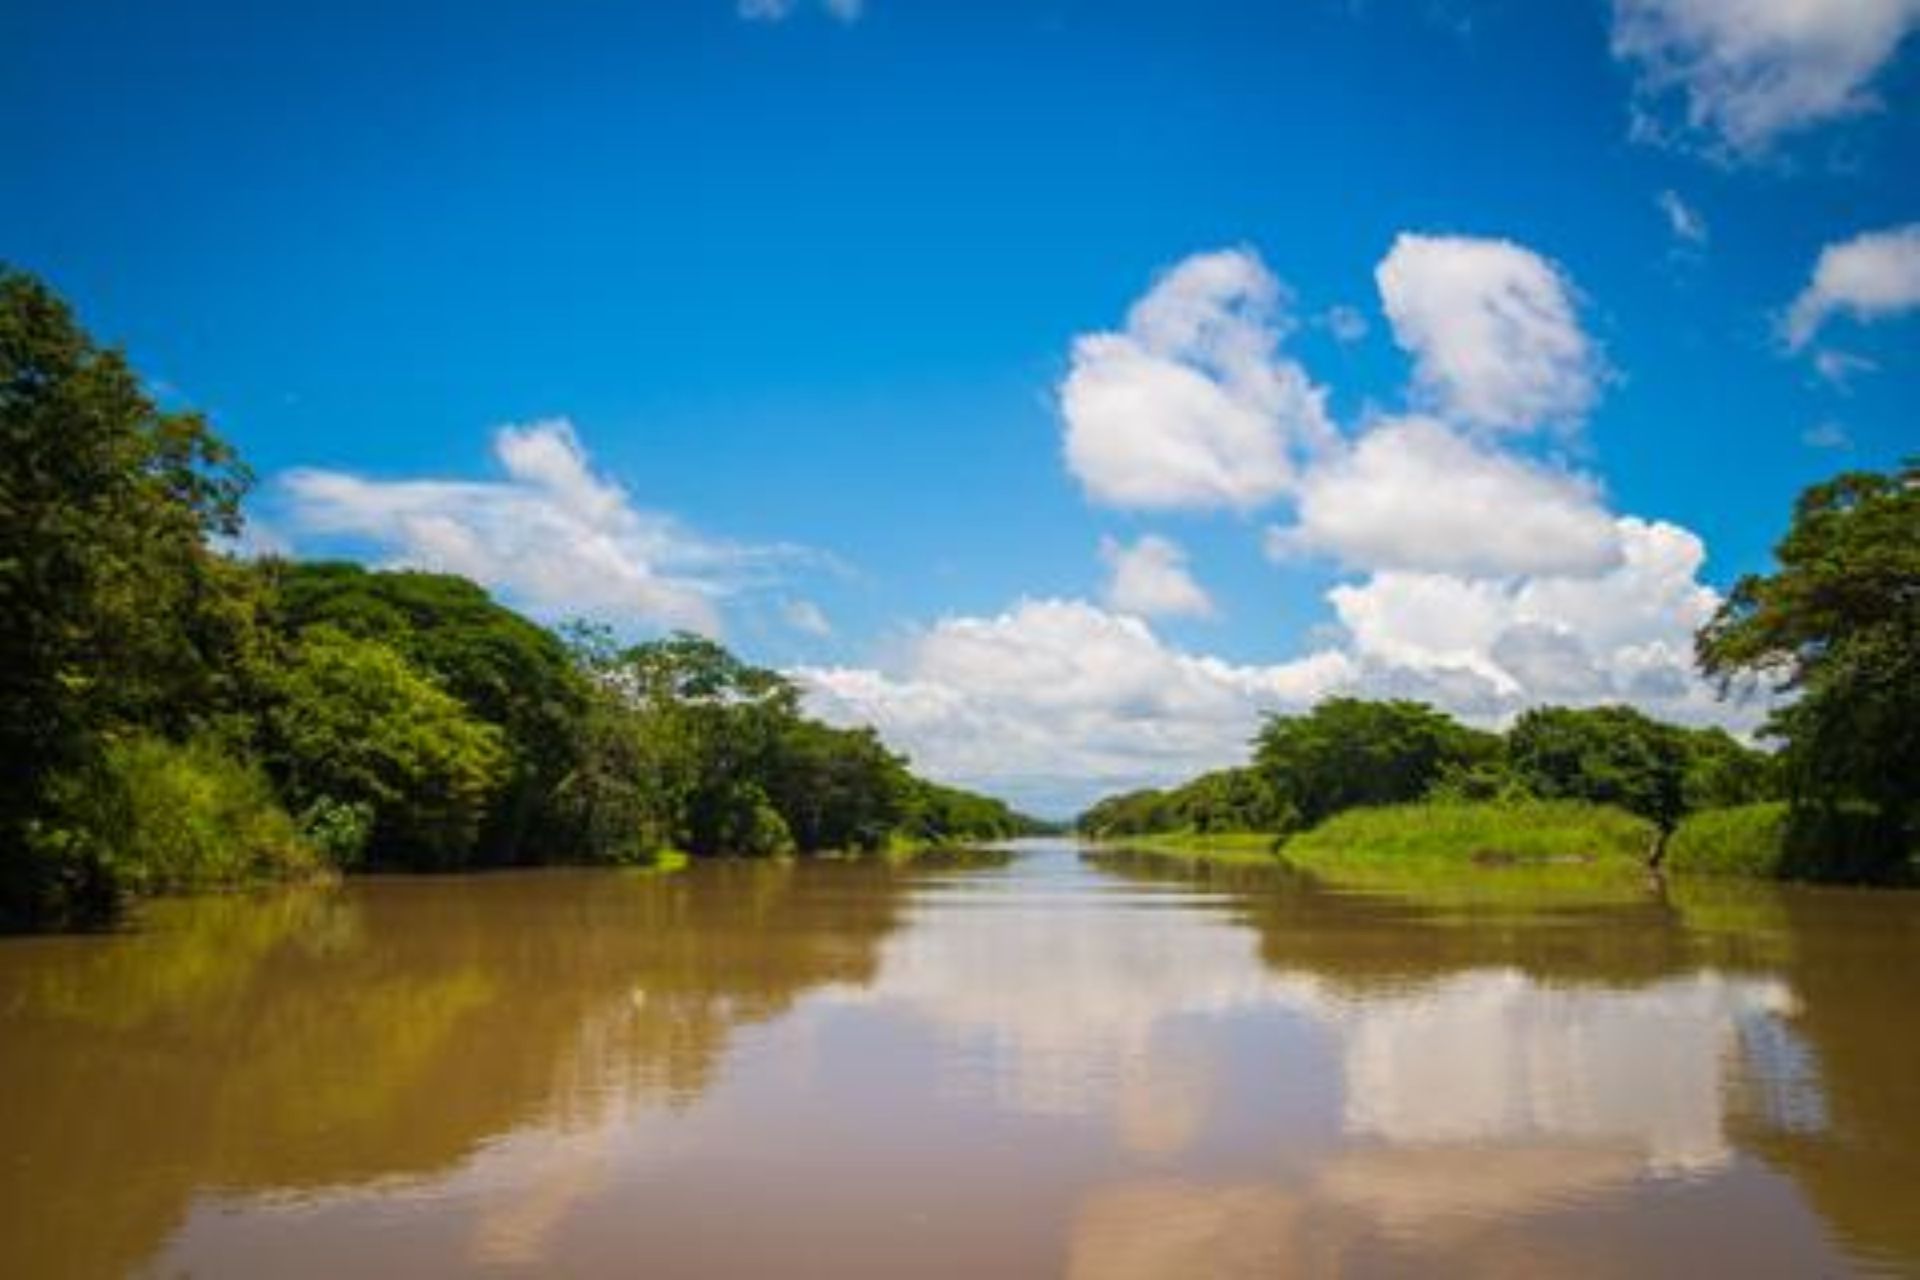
791,316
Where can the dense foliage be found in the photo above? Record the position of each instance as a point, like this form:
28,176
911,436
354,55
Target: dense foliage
352,722
117,612
1838,625
172,717
1224,800
1347,754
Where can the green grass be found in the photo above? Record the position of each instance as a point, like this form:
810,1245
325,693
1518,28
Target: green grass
903,848
1445,854
1750,840
1245,847
1846,844
1477,855
1475,836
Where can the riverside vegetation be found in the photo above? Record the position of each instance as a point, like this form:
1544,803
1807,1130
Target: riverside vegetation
1356,787
176,717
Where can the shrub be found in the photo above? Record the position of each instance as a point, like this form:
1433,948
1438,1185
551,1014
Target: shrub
152,816
1746,840
1846,843
1838,843
355,723
338,829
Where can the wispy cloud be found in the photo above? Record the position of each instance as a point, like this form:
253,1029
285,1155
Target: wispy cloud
1683,220
553,535
781,10
1826,435
1873,276
1735,76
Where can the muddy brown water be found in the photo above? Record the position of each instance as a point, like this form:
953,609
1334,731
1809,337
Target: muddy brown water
1043,1064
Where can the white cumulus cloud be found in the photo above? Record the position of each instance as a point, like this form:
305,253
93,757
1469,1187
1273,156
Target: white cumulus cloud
1872,276
552,536
1749,72
1414,494
1492,328
1486,647
1151,579
1192,405
1057,701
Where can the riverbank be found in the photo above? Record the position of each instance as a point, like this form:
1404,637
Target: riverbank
1428,835
1424,841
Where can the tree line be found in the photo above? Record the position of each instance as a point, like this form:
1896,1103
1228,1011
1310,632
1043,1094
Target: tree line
173,716
1833,632
1351,752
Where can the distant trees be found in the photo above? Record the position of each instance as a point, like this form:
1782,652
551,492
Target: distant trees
1348,752
1223,800
935,814
1837,625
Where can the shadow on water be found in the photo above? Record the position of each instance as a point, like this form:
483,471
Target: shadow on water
387,1029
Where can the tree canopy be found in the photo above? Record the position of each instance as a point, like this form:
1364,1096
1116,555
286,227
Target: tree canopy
117,608
1837,627
1349,751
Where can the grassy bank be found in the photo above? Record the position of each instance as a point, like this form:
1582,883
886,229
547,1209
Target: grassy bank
1539,841
1477,854
1845,844
1445,853
1210,846
1527,833
1749,840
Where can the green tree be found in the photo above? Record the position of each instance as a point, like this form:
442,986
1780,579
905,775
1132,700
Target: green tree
716,723
118,611
354,723
1724,773
1837,626
936,814
1605,755
1348,752
1229,800
506,670
837,789
1131,813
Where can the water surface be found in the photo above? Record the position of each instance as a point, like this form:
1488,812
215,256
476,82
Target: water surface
1037,1065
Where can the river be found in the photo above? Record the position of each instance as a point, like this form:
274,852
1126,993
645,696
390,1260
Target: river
1038,1064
